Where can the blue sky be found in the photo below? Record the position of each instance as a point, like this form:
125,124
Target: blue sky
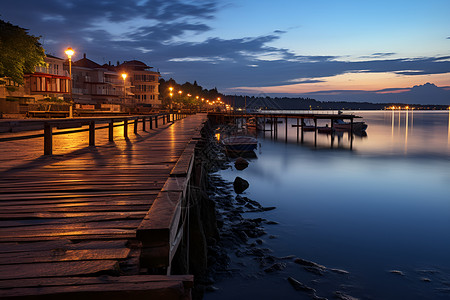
326,48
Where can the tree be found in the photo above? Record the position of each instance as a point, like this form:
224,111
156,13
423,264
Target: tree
20,52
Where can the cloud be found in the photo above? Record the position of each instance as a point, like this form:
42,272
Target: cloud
158,32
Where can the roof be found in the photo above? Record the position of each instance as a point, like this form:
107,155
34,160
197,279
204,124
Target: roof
52,56
134,64
86,63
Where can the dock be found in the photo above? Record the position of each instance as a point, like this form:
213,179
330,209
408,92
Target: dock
273,118
99,214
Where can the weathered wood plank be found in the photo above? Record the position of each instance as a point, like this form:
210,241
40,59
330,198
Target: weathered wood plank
170,290
57,269
60,254
60,244
71,281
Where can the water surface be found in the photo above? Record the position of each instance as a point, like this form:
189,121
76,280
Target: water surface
383,205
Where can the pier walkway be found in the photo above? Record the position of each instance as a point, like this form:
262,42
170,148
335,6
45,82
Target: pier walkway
69,221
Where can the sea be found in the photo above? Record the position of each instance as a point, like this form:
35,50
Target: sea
375,205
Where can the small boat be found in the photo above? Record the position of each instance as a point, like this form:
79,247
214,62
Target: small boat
252,123
324,129
339,124
240,143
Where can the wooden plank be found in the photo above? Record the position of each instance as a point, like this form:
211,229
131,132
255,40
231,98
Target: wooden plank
56,269
171,290
33,282
59,255
118,224
156,225
60,244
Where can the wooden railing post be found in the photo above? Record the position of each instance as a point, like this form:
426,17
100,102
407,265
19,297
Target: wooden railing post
48,139
156,121
151,122
135,125
125,128
143,123
164,119
92,133
111,130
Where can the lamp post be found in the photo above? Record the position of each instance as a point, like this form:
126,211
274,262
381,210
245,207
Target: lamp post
69,52
171,95
124,76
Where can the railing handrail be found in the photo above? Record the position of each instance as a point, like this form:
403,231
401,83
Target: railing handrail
48,125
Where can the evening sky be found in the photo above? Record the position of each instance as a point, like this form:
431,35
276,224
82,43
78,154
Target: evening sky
332,50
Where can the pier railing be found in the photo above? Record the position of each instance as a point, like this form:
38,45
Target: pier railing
45,128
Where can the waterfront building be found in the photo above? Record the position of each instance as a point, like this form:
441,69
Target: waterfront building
144,89
94,84
50,82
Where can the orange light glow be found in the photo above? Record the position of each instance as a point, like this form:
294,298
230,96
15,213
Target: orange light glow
69,52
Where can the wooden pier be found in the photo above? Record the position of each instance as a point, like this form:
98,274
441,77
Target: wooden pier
92,219
275,117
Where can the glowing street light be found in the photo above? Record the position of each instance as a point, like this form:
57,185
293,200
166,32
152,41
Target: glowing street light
69,52
124,76
170,94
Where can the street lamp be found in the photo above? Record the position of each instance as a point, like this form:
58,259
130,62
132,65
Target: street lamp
69,52
124,76
170,94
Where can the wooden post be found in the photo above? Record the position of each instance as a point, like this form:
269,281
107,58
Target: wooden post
151,122
297,130
48,139
125,128
164,119
135,125
111,130
315,132
271,126
156,121
351,134
276,127
286,134
92,133
303,127
143,123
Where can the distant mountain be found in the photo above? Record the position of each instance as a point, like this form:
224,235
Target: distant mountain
421,96
426,94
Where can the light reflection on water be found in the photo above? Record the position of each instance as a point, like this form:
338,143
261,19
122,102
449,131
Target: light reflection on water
382,206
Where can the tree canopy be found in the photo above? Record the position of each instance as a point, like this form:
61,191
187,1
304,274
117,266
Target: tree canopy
20,52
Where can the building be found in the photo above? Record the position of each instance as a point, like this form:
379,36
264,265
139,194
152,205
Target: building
50,82
144,83
94,84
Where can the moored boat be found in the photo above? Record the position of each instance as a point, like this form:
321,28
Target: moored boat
253,123
240,143
339,124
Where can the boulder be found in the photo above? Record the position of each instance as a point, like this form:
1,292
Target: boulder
240,164
240,185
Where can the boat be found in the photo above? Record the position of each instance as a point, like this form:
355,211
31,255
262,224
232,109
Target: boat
240,143
325,129
340,124
252,123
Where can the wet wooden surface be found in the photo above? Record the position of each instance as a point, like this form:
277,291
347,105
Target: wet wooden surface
75,213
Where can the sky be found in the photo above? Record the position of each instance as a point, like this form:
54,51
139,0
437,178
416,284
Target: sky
324,49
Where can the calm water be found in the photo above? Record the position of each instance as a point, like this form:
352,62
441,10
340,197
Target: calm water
384,205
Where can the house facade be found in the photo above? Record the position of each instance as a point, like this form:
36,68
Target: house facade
144,83
94,84
50,82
